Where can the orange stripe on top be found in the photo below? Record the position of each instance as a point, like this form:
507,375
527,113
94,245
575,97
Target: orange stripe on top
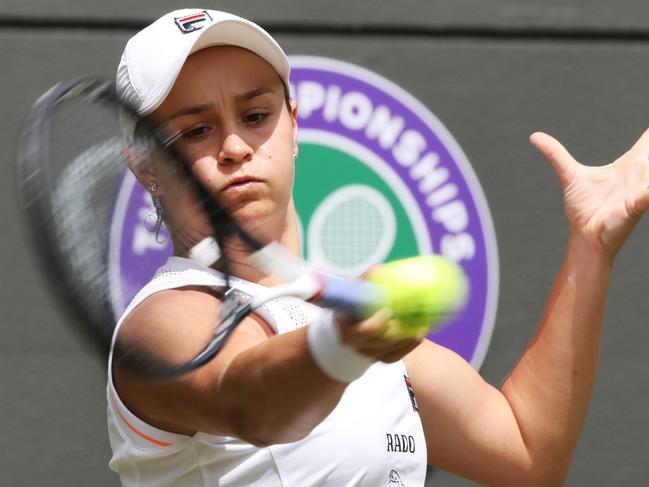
138,432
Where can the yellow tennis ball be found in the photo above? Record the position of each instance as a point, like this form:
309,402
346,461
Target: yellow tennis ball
422,292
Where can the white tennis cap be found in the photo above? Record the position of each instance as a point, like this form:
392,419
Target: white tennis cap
153,58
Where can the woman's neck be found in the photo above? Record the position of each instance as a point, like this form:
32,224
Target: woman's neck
238,253
238,257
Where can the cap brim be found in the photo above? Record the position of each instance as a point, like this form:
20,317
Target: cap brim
231,32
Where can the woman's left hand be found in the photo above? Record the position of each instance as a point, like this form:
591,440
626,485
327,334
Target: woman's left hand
603,204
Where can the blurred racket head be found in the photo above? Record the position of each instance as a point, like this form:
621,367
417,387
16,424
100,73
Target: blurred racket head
68,169
76,144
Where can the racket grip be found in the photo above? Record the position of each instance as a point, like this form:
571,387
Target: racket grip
353,298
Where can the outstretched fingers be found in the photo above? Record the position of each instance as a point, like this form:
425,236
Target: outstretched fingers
563,163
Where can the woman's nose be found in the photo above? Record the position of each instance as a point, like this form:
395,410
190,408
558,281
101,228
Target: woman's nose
234,150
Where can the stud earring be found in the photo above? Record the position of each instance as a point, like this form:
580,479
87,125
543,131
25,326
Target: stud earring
153,186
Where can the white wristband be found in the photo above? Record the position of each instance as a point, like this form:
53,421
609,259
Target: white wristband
339,361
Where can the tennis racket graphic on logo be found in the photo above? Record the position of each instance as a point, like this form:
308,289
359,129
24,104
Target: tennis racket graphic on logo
351,230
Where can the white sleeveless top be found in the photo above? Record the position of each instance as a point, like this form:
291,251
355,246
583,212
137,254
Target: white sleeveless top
372,438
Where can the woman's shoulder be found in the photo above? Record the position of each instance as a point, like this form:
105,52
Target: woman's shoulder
164,317
180,292
183,299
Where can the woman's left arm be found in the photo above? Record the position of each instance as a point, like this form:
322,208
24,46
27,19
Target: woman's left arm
525,433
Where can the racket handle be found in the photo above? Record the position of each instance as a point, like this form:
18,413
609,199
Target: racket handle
353,298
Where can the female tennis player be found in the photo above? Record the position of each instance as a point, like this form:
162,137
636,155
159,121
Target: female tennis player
295,397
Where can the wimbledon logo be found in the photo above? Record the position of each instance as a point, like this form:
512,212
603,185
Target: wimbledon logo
378,178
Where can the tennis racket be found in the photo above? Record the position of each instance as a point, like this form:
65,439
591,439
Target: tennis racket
72,155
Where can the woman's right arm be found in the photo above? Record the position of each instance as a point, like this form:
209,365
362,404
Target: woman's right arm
262,388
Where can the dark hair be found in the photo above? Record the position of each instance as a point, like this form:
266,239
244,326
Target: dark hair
287,96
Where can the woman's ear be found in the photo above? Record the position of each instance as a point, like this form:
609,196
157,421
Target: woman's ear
293,105
143,171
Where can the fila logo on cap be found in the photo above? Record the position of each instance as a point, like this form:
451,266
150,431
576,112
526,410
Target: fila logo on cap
192,22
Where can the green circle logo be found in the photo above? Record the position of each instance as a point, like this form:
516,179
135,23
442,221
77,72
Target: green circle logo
351,214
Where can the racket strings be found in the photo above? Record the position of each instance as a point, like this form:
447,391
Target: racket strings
83,170
76,155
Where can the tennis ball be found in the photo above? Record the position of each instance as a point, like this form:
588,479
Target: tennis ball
422,292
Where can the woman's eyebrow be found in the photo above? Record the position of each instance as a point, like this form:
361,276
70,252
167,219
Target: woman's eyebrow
204,107
249,95
191,110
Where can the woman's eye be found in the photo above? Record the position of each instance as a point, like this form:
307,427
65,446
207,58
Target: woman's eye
196,132
255,118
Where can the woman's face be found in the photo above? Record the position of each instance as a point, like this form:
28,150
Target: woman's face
228,106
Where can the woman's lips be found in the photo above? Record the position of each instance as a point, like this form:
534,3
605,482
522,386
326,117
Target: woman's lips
241,184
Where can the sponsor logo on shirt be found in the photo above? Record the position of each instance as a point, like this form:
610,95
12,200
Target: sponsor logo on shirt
394,479
400,443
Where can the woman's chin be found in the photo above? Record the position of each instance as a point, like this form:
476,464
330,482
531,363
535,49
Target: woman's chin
258,219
